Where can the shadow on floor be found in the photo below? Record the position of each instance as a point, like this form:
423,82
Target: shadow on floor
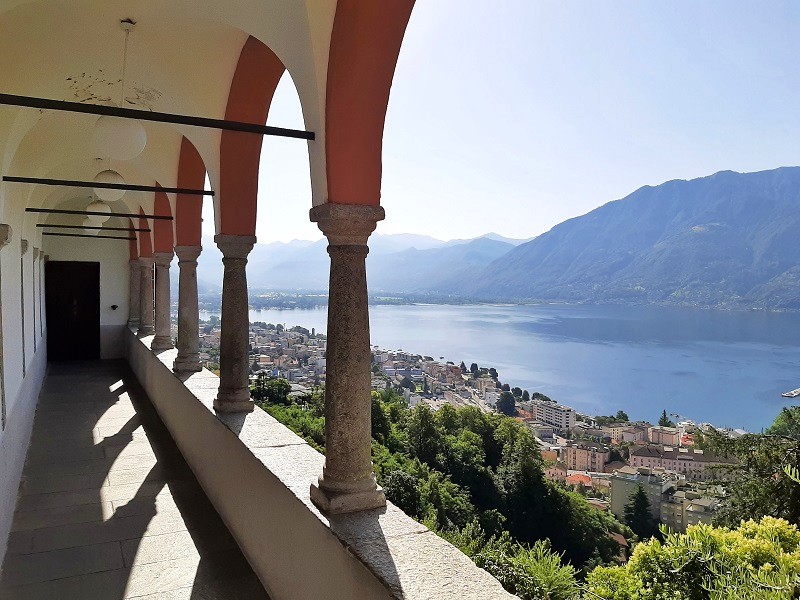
108,508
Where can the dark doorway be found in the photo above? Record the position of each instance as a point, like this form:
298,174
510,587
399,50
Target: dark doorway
72,302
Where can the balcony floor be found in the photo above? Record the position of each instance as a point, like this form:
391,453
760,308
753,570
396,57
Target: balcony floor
108,508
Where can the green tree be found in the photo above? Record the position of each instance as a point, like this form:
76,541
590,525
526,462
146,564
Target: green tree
621,416
492,372
402,488
506,388
463,367
756,484
526,397
506,404
517,392
637,514
664,420
406,382
755,561
273,391
473,368
423,433
787,423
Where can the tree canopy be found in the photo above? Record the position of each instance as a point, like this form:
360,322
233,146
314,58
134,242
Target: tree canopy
664,420
637,514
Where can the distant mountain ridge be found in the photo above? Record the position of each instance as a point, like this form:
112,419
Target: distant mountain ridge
396,263
727,240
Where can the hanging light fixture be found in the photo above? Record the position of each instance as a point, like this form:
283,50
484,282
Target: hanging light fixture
117,138
99,206
90,225
106,194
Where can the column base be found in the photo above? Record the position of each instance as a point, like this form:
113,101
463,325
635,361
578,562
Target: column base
186,364
133,323
336,502
233,401
161,343
234,407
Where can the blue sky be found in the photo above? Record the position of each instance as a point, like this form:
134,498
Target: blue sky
513,116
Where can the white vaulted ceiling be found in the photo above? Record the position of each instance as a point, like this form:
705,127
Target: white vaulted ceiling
181,58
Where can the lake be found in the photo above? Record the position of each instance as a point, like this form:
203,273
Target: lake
727,368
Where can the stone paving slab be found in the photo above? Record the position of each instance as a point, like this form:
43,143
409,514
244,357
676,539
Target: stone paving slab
108,508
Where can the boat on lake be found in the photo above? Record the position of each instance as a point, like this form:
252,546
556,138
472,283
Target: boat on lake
792,394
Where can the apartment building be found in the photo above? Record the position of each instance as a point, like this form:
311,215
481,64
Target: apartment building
585,456
692,463
557,415
669,436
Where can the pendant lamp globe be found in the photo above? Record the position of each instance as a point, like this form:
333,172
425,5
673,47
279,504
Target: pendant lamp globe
99,206
106,194
88,223
118,138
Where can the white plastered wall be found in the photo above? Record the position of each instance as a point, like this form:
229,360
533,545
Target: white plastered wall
21,394
114,281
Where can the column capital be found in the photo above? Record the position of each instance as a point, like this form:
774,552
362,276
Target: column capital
347,224
188,253
24,246
5,234
134,262
235,246
41,254
163,259
46,257
146,260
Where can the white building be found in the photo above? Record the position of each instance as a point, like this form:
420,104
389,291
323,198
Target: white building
557,415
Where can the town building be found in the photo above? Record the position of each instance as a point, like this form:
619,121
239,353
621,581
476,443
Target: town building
669,436
656,484
559,416
585,456
693,463
683,508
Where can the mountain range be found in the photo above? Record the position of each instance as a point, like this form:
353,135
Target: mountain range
401,263
726,240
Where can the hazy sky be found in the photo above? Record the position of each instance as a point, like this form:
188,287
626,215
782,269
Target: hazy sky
512,116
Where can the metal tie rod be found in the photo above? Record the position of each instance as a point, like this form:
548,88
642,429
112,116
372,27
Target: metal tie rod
94,237
93,227
56,211
107,186
146,115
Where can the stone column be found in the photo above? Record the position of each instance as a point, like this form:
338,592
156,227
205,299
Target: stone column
234,366
188,358
146,296
135,293
163,339
347,483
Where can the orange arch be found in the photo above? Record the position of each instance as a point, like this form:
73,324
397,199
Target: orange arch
145,242
257,75
365,44
162,228
133,249
189,208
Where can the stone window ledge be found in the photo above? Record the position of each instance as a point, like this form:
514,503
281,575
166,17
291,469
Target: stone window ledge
258,474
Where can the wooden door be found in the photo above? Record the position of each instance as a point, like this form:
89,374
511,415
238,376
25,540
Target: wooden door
72,302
